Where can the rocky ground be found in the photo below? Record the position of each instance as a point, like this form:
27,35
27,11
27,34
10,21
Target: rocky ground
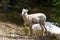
9,31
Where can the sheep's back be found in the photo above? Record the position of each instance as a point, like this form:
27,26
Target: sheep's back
39,17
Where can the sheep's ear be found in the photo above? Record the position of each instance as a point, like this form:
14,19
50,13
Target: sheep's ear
23,9
26,9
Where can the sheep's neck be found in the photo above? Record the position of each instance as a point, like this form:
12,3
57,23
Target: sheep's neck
25,17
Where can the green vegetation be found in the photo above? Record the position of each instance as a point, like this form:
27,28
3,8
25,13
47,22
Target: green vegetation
26,29
11,17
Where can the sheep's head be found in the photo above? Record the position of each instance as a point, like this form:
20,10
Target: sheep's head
24,11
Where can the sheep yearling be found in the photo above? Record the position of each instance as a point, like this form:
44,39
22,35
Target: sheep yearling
34,19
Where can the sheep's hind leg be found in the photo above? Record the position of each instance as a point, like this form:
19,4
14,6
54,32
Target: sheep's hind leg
46,33
42,31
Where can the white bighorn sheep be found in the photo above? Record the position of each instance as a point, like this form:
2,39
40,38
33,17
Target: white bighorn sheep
34,19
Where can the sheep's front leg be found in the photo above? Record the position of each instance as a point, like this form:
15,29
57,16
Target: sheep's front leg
31,31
